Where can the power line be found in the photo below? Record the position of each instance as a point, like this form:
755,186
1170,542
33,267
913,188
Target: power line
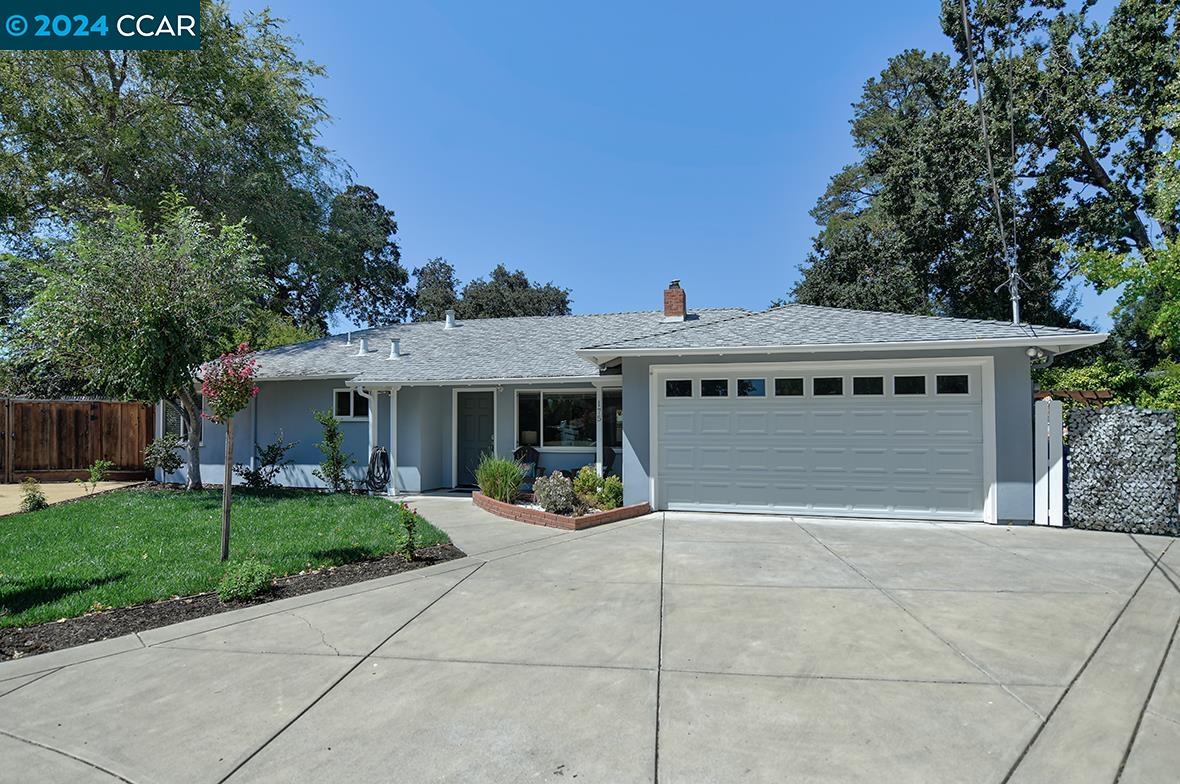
1014,281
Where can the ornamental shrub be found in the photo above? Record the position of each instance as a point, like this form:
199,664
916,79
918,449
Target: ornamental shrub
243,579
271,460
499,478
611,494
99,471
163,454
587,482
333,470
555,493
32,498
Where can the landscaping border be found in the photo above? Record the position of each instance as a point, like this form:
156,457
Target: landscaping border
523,514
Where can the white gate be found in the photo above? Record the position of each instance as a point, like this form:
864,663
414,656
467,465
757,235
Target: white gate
1048,464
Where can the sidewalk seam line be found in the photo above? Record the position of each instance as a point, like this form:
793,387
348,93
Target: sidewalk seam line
67,754
1077,675
353,668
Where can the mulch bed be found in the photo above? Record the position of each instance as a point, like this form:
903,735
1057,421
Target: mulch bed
17,642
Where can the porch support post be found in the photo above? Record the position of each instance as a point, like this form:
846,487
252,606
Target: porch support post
598,426
393,439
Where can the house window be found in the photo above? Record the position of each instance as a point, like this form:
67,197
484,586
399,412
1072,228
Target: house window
349,404
677,388
612,418
715,387
953,385
788,387
174,423
557,419
751,387
868,385
909,385
827,386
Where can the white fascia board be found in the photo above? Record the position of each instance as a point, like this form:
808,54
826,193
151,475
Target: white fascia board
470,382
1058,344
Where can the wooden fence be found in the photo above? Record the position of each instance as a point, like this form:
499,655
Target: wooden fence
59,439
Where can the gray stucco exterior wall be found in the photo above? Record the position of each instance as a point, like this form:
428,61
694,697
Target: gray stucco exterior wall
1013,421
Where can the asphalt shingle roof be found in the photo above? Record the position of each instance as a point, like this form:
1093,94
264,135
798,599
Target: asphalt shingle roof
811,325
547,346
503,348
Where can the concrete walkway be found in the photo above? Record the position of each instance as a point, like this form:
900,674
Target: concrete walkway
677,648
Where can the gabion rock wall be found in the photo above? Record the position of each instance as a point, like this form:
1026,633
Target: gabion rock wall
1122,470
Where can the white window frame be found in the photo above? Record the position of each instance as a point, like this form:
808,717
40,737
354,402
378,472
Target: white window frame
595,392
852,385
692,389
161,413
766,387
952,394
353,395
892,388
804,379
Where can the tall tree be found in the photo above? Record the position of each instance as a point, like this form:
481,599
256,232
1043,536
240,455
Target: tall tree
507,293
436,290
502,294
1078,109
138,311
909,227
234,126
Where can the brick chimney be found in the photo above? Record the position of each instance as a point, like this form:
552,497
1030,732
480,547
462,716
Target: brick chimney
675,308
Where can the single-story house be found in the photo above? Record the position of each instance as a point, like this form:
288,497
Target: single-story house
798,409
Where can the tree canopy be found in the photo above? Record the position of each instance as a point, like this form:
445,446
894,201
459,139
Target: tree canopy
1078,110
233,126
136,311
502,294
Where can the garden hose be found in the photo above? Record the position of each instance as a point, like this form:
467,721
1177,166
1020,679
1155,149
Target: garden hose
378,475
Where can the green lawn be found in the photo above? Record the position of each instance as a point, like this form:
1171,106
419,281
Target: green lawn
132,546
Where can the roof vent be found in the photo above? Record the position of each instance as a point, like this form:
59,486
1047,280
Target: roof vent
675,306
364,347
395,348
450,319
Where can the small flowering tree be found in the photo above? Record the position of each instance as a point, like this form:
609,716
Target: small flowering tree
227,384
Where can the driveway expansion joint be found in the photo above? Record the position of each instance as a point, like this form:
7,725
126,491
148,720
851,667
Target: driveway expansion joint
1077,675
352,668
75,757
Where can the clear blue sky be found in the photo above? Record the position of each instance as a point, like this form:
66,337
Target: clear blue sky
607,147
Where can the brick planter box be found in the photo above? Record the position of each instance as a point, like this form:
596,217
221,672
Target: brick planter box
569,523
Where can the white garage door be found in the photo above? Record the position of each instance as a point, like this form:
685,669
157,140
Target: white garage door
867,440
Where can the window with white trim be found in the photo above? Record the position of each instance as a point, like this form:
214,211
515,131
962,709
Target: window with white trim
348,404
957,384
751,387
174,423
909,385
823,386
788,387
868,385
557,419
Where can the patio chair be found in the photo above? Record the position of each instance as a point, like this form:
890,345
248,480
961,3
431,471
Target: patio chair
530,458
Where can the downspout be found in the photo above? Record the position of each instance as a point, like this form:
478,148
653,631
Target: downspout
254,433
393,439
371,397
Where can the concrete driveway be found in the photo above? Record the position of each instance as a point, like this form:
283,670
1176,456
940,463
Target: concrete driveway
678,648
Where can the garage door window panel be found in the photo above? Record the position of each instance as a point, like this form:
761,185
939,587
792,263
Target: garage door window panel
715,387
956,384
788,387
827,386
909,386
868,385
751,387
677,387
